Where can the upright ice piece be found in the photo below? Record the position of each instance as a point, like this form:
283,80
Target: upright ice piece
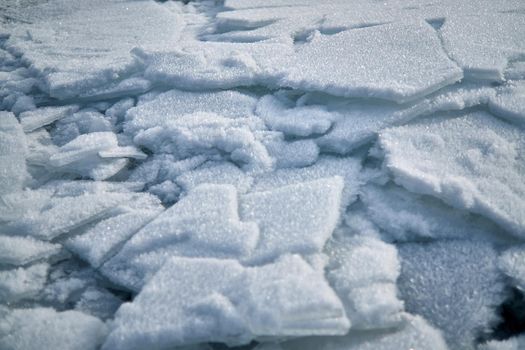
472,162
194,300
511,262
13,151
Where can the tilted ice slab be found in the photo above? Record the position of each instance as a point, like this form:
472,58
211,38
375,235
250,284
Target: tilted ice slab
472,162
19,251
45,328
405,216
414,333
455,285
32,120
13,150
509,104
175,104
511,263
192,300
81,46
60,215
399,62
363,272
342,125
484,44
211,221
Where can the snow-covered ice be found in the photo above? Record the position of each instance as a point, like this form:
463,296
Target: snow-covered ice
269,174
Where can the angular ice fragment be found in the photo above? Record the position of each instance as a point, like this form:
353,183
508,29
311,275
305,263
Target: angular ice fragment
216,173
221,301
81,156
297,218
414,333
98,302
471,162
293,154
22,283
205,223
44,328
175,104
19,251
326,166
40,117
406,216
514,343
104,239
455,285
363,272
398,61
509,104
64,214
77,47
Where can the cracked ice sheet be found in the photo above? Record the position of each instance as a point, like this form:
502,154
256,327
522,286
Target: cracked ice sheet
211,222
80,46
194,300
455,285
473,162
484,44
398,62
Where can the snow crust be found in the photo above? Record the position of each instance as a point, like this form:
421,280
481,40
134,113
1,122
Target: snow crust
275,175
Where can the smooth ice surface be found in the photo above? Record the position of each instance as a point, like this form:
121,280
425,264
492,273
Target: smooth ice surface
455,285
472,162
45,328
200,300
19,251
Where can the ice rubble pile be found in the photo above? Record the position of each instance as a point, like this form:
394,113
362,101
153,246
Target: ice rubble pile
279,174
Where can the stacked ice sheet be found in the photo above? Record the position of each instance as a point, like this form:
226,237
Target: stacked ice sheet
268,174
